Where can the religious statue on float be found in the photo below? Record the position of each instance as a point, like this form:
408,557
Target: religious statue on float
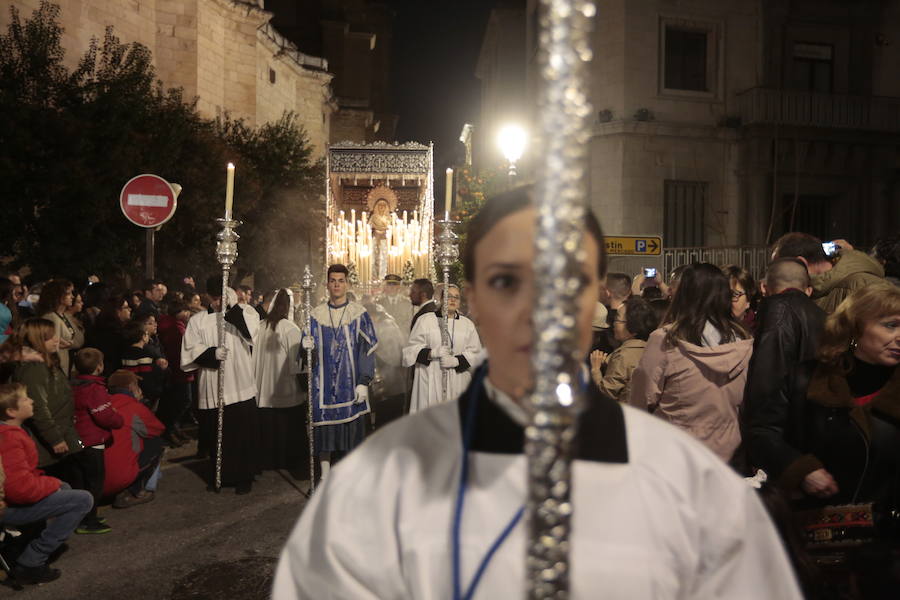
382,202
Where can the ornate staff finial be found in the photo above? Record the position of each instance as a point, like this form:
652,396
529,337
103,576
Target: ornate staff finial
561,193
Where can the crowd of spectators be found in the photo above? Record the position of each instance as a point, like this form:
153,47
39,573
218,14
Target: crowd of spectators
88,402
793,379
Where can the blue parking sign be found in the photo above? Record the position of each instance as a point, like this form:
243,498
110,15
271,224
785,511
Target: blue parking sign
640,245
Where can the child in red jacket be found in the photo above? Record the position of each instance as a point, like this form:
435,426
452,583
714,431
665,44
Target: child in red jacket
32,496
137,449
95,418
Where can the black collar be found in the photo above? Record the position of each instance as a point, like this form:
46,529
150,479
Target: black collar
601,428
346,302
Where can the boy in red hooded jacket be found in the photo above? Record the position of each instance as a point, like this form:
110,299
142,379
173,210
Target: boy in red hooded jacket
137,450
95,418
32,496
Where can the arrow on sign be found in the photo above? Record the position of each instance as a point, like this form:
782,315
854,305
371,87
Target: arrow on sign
653,245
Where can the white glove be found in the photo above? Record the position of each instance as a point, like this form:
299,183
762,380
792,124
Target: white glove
442,352
449,362
362,394
230,298
308,343
221,353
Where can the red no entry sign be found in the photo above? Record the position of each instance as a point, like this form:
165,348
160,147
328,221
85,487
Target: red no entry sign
147,200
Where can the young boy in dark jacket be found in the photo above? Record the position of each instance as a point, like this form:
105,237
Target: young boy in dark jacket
95,418
32,496
139,360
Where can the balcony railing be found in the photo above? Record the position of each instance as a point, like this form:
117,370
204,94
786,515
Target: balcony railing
816,109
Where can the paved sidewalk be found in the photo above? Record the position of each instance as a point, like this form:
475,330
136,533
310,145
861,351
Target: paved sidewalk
186,544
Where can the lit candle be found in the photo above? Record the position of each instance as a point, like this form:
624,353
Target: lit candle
448,202
229,190
446,215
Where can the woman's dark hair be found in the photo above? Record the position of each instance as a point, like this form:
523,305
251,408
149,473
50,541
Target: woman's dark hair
108,319
175,307
280,309
507,203
651,293
52,295
704,295
887,251
640,318
738,274
660,308
96,295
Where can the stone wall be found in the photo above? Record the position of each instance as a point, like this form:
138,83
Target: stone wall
219,51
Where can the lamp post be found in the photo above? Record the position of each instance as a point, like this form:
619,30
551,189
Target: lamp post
512,139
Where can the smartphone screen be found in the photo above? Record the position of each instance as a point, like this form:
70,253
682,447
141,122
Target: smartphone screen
649,272
830,248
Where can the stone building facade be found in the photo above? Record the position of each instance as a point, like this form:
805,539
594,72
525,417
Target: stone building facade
729,122
356,38
223,52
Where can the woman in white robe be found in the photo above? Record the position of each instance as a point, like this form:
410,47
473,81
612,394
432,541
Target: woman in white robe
431,359
279,396
656,514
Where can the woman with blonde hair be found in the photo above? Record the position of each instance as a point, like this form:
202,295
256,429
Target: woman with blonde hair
37,366
848,451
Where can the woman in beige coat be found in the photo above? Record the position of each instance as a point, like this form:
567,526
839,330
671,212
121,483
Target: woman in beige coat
694,368
635,321
56,299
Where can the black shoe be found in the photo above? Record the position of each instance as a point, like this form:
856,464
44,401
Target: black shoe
172,440
41,574
243,488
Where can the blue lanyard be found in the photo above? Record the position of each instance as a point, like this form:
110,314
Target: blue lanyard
460,499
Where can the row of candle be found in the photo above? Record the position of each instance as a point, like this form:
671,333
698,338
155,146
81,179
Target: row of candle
407,241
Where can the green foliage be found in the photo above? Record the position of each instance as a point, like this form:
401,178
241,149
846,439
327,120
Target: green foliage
473,189
70,140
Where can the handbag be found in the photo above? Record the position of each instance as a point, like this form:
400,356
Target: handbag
842,526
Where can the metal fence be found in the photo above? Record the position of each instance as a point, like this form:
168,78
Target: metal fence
752,258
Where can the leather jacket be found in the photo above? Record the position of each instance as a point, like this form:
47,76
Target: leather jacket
789,325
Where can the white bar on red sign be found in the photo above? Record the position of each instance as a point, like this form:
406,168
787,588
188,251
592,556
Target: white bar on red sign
147,200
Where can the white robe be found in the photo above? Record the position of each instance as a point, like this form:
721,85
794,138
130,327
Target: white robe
674,522
201,334
276,355
427,389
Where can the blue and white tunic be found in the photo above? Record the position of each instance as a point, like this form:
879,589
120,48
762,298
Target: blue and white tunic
345,343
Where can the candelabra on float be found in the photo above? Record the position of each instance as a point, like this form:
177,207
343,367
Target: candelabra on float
226,254
447,253
307,286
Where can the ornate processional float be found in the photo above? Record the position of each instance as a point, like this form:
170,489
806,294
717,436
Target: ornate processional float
380,210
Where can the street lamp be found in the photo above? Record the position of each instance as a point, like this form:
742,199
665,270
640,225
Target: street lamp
512,139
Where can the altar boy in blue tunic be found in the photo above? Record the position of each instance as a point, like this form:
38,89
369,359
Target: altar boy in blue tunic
343,343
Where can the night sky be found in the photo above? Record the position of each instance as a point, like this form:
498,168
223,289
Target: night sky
436,45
